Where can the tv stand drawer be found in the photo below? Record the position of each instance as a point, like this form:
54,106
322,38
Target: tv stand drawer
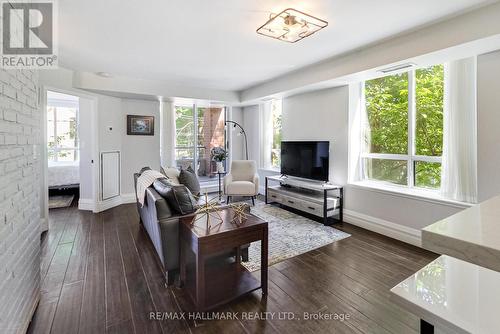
298,203
273,196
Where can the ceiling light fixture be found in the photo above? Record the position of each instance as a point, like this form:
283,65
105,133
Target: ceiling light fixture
291,25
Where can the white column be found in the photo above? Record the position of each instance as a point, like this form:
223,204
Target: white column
167,133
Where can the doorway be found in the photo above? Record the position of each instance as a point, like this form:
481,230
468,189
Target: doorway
63,149
69,152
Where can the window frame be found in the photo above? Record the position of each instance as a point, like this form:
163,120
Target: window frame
58,148
279,104
195,106
411,158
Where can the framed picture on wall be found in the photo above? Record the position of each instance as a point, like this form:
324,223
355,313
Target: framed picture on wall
140,125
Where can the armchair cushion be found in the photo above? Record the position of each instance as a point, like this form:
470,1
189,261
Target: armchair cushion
243,179
243,188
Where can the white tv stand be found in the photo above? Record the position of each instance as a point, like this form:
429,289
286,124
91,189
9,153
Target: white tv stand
308,196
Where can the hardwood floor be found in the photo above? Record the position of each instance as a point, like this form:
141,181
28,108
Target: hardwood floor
100,275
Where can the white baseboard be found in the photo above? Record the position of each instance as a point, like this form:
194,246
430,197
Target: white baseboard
396,231
90,205
108,204
86,204
262,190
128,198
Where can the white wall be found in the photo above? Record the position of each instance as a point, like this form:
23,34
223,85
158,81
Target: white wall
20,165
321,115
237,142
139,151
488,110
251,126
86,138
111,124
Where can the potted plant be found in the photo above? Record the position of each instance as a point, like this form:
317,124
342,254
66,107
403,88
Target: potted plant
218,155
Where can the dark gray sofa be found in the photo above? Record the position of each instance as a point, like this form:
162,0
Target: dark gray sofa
162,226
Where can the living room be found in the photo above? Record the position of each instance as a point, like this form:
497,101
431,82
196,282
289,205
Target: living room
269,167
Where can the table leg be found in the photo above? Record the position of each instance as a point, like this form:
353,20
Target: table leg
200,281
238,257
263,261
220,191
425,327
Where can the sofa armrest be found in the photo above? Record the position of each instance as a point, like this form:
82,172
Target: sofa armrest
157,205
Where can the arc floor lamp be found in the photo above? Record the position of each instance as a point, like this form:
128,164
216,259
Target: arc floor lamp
242,131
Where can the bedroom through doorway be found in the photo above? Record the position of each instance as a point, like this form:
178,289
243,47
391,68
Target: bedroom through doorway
63,149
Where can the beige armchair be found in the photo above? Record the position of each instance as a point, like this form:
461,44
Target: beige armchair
242,180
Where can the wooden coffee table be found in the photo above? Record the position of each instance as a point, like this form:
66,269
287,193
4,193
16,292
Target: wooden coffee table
217,280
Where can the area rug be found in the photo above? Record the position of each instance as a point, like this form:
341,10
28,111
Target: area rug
289,235
56,202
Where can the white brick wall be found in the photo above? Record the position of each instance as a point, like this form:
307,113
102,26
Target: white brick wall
19,198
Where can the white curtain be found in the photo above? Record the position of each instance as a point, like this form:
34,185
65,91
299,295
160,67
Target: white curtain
266,134
459,166
356,108
167,134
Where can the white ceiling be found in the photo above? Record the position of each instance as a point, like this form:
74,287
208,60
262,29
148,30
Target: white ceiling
213,43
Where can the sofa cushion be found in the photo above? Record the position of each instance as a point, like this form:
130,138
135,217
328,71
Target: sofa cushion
244,188
171,173
188,178
179,197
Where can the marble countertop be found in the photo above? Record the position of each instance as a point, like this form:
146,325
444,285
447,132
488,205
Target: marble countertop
472,235
453,295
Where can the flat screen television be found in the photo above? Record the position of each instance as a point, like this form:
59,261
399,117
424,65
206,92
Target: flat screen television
305,159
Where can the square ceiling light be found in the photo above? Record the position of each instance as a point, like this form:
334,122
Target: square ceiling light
291,25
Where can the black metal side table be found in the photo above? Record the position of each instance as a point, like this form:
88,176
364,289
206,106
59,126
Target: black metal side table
220,187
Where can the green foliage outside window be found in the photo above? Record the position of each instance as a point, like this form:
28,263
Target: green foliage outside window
387,108
429,124
276,109
387,111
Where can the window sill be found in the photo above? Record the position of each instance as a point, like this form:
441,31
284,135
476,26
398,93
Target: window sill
417,194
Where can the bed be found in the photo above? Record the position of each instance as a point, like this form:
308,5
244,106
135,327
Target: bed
64,175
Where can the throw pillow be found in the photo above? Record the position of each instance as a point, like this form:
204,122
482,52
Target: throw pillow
179,198
143,169
162,186
171,173
188,178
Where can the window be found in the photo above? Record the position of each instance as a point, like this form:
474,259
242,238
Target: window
62,139
276,110
198,130
403,129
